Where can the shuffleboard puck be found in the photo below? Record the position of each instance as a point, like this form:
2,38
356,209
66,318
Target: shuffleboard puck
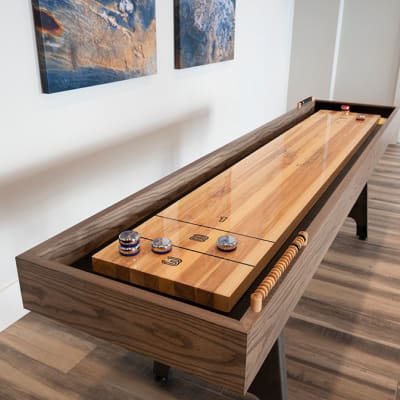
129,251
129,237
129,243
345,108
227,243
161,245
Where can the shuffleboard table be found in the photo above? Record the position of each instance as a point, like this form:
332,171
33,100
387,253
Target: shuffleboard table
282,191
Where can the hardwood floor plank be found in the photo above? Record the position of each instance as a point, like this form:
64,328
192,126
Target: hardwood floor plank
19,380
383,229
367,268
344,354
364,320
131,373
383,205
44,382
304,391
48,342
9,391
329,385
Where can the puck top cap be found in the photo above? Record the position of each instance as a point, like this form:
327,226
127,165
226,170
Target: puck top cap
360,117
227,243
129,237
161,245
345,107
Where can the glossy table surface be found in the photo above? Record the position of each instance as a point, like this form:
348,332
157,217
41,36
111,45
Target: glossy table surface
260,200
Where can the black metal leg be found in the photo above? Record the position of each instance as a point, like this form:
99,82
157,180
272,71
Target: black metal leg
359,213
271,381
161,372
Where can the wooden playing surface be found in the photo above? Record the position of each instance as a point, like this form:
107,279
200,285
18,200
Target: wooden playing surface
259,200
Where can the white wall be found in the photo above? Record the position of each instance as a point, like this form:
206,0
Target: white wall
313,48
368,50
66,156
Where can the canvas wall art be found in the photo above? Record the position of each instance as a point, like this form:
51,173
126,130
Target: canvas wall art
204,32
89,42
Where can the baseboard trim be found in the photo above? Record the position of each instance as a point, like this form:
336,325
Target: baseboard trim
11,308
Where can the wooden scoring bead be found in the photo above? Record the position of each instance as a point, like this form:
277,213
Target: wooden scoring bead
286,256
270,279
275,274
263,290
271,283
256,300
291,253
286,259
305,236
299,240
280,268
293,249
268,284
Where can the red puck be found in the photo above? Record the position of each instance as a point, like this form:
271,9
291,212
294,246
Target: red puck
345,107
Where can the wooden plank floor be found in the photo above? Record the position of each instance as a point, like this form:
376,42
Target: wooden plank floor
342,342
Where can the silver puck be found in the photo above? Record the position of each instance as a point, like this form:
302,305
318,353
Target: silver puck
161,245
129,237
129,251
227,243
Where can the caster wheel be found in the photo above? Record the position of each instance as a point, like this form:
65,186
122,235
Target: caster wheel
161,380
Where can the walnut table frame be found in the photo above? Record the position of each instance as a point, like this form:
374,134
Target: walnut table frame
241,350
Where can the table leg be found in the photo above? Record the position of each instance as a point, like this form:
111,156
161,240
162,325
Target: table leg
271,381
359,213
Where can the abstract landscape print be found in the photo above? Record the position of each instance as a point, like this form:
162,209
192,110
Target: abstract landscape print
90,42
204,31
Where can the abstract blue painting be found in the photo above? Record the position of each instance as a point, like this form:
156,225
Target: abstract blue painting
204,32
89,42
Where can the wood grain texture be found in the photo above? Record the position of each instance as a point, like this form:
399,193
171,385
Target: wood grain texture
167,334
133,317
92,233
270,191
45,346
371,367
200,278
263,196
